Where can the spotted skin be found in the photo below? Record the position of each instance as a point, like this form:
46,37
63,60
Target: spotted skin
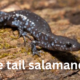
28,22
35,20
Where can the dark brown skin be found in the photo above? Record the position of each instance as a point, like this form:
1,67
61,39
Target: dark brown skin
28,22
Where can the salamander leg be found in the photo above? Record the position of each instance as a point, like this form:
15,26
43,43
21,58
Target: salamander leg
20,32
33,47
23,34
24,40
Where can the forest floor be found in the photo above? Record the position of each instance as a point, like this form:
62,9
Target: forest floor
64,20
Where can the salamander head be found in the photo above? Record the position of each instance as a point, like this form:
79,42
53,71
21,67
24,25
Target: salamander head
66,44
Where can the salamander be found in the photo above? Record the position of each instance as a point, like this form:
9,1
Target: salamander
29,22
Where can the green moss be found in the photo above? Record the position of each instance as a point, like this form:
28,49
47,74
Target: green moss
12,57
16,52
4,55
6,45
1,46
23,50
1,39
2,30
29,53
14,37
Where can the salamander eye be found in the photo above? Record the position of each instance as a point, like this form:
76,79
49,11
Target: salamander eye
68,45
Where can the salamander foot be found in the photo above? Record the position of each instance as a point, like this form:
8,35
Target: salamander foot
34,50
